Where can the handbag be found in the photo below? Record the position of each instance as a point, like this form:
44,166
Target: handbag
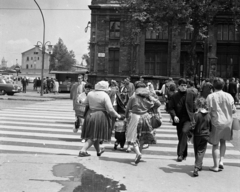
236,124
81,109
155,120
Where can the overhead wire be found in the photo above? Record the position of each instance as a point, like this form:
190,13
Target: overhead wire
46,9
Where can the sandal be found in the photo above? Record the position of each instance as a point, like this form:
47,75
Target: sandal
221,166
138,158
128,150
214,170
101,152
83,154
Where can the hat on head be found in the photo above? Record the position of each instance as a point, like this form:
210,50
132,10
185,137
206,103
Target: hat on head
102,86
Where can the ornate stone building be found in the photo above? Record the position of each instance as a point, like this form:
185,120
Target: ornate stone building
3,63
157,56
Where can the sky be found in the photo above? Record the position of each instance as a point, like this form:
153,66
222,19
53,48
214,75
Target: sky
21,26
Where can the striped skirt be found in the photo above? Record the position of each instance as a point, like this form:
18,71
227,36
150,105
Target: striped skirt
140,130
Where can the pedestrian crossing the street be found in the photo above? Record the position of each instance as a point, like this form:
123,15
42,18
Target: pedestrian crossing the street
46,128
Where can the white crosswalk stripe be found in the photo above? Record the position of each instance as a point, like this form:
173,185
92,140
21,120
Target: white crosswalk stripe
46,127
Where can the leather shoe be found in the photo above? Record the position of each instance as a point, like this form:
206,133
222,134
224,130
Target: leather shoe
101,152
220,166
195,172
179,159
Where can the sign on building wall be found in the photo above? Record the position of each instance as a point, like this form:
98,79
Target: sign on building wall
101,54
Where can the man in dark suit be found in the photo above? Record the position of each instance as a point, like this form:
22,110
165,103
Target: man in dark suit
181,109
226,86
233,88
24,84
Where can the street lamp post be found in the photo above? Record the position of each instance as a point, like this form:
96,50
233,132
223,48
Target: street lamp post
17,68
43,44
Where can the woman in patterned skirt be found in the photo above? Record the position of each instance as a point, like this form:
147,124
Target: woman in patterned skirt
97,125
139,130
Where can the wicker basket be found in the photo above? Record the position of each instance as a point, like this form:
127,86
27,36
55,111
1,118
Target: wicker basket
80,109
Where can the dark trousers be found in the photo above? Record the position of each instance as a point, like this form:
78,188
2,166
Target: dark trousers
234,96
121,138
182,133
24,88
200,146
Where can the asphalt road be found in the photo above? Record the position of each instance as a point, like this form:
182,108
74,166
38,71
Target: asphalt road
8,104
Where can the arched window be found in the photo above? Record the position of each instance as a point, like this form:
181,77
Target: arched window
27,58
27,66
31,66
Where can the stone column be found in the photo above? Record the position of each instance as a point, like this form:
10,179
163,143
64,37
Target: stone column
212,46
175,53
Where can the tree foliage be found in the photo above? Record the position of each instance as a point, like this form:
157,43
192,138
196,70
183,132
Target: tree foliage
61,59
87,59
195,15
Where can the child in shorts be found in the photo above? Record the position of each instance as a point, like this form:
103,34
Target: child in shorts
120,134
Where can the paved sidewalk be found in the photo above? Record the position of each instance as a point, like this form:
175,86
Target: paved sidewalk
59,173
34,96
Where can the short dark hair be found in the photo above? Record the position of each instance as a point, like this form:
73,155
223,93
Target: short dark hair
182,81
139,84
218,83
191,82
88,86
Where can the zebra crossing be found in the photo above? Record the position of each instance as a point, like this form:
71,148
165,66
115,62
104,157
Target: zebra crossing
46,128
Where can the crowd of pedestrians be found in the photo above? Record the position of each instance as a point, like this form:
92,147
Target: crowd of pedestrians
203,113
50,85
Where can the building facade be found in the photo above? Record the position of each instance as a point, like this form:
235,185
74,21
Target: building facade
156,56
3,63
32,63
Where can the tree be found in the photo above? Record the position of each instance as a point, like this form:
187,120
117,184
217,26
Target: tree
195,15
61,59
87,59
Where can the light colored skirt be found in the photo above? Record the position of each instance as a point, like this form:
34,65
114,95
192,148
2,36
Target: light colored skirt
131,135
220,132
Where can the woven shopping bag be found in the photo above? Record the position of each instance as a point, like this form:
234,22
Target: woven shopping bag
81,109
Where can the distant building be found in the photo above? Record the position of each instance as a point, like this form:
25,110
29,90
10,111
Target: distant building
3,63
32,63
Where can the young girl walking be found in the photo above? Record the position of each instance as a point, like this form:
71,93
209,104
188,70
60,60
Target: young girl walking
201,133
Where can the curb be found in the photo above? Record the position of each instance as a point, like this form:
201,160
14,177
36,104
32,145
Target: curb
27,99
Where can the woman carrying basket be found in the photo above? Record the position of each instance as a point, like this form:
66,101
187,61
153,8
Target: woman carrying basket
97,125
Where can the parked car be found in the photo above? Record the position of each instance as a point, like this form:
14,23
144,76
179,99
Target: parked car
8,88
30,79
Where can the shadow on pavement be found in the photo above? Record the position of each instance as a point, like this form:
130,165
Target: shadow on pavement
232,164
126,161
175,168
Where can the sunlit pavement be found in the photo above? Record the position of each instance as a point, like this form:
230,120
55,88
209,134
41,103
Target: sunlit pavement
33,138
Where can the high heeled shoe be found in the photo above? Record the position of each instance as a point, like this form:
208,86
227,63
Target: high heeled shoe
101,152
138,158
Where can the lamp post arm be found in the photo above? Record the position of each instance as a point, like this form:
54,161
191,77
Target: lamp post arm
43,22
39,42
